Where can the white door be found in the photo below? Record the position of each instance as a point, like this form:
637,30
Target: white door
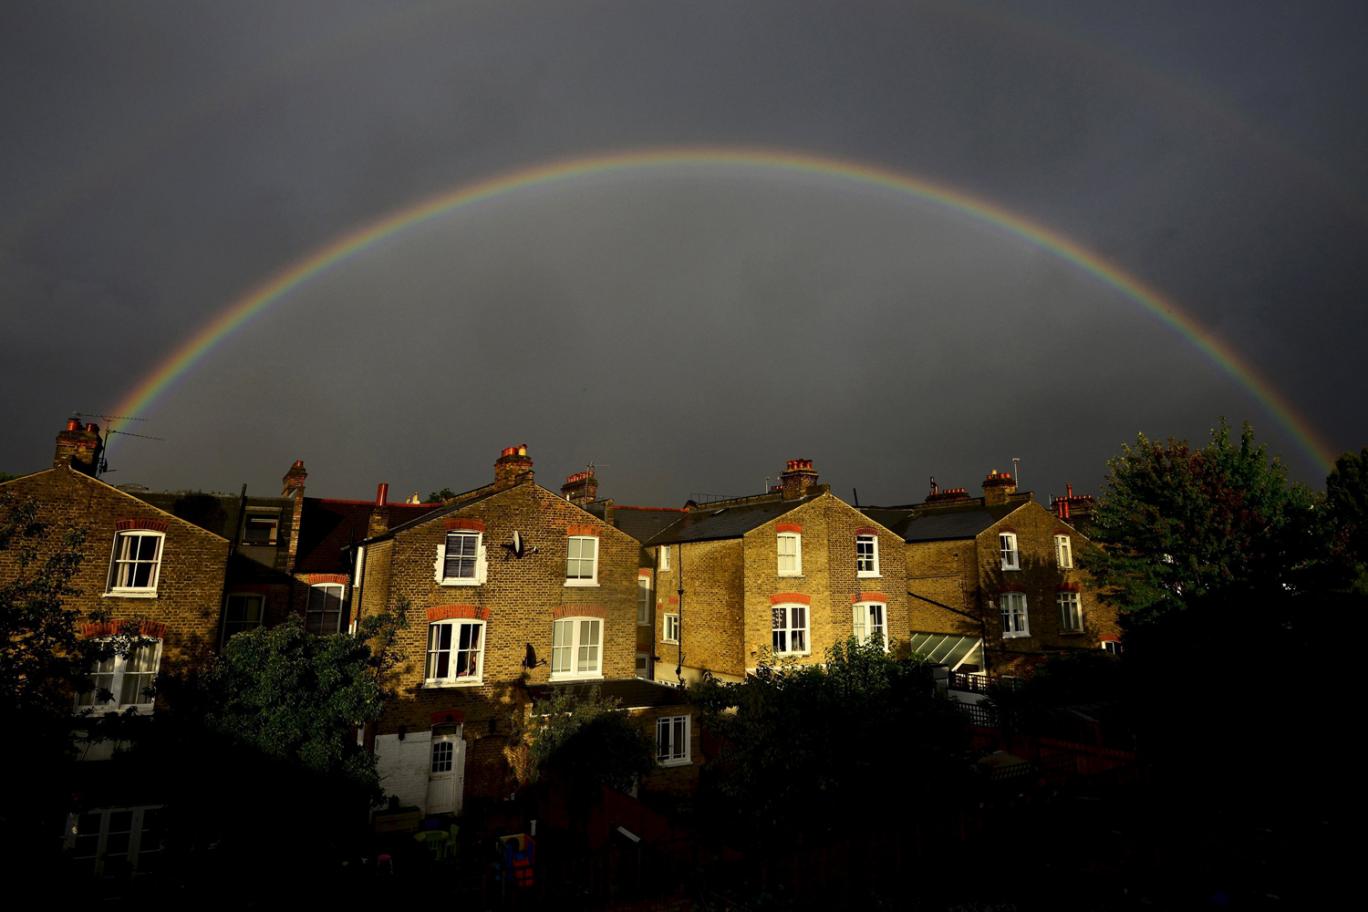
446,774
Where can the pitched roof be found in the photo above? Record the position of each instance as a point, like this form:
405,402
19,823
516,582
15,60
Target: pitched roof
642,523
939,524
710,523
329,526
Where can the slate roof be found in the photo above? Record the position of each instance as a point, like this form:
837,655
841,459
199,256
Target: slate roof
711,523
329,526
631,693
441,509
642,523
939,524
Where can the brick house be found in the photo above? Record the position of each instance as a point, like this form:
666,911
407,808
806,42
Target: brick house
509,588
994,580
145,570
154,582
291,554
783,575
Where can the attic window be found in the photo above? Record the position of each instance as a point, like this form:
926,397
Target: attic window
261,530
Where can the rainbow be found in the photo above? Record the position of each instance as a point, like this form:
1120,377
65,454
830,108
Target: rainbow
278,286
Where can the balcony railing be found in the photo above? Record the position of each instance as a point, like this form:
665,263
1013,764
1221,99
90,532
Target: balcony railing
980,683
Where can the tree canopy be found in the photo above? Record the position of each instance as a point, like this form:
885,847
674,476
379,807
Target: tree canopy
297,697
1180,525
816,750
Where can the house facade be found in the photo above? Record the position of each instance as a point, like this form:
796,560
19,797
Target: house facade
995,581
507,588
779,577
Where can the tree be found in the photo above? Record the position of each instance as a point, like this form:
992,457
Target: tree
40,653
41,660
1181,526
298,698
584,742
1346,496
441,496
808,751
1219,566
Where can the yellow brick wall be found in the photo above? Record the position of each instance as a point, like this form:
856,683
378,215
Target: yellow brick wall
711,621
1040,578
522,598
828,577
190,581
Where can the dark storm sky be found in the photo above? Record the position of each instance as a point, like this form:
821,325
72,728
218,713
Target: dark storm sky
690,328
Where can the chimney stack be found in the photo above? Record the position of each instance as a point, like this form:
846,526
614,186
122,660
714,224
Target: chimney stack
379,515
798,479
581,488
997,486
79,447
512,467
292,483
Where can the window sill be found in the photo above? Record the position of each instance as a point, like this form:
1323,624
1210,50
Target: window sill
1018,567
457,581
644,624
564,676
791,655
867,574
1016,636
789,575
130,593
582,583
1070,633
448,685
670,642
682,761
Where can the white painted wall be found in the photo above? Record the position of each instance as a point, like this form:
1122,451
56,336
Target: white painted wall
403,766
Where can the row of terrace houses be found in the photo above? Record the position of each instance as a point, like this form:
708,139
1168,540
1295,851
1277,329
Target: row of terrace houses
514,590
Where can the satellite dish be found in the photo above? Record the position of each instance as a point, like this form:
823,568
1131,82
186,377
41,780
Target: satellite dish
517,543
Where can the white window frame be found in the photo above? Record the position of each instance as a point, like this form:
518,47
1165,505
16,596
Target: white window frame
228,612
872,570
863,622
1070,611
797,540
111,678
1064,552
574,629
341,608
1111,647
452,678
674,740
669,629
481,568
664,558
645,601
592,579
790,629
1016,621
1008,550
119,560
134,849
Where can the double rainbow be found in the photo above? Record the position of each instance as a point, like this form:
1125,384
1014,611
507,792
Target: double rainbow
281,284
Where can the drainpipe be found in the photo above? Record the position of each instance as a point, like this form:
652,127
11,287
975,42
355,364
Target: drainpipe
679,663
228,566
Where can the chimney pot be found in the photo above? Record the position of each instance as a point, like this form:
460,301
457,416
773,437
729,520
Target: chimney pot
381,493
73,424
798,479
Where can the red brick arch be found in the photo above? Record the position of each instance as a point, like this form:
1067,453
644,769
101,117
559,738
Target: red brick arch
786,598
454,612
